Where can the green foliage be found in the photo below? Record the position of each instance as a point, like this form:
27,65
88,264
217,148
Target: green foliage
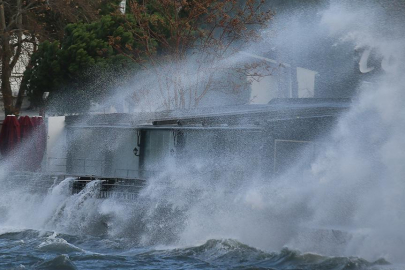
46,73
87,51
91,57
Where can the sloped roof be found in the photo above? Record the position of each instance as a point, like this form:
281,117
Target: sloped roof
241,115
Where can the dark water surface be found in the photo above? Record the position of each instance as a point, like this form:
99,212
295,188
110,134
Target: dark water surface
31,249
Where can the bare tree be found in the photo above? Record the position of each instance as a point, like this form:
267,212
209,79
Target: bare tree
199,46
23,24
11,34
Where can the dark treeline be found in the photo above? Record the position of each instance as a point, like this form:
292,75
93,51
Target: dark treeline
77,48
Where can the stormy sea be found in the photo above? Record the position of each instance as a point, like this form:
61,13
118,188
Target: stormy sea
31,249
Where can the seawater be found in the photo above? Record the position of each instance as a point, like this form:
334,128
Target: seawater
31,249
58,230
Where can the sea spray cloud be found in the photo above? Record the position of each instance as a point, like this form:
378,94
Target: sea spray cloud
360,179
359,176
355,182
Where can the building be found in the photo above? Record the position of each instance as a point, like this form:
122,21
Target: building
243,140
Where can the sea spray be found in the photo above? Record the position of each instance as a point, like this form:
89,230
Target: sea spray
58,210
359,176
355,184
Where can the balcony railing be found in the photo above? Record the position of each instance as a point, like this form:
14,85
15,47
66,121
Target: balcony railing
94,167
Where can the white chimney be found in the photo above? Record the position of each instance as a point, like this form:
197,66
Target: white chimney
123,6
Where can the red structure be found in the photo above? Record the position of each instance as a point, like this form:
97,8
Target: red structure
29,134
26,127
9,135
39,141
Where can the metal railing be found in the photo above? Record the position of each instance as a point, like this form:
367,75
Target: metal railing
139,174
82,166
76,166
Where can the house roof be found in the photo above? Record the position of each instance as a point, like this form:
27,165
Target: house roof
226,116
275,110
